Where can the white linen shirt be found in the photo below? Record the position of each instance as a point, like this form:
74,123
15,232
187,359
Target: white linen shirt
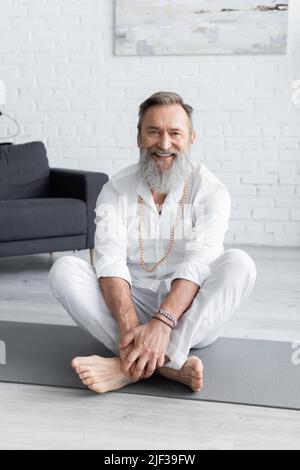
199,238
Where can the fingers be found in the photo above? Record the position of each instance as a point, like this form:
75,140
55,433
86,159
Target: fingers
138,369
127,371
131,358
161,362
123,353
126,340
151,366
144,368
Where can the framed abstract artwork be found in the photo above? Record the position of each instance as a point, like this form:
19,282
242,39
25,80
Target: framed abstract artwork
190,27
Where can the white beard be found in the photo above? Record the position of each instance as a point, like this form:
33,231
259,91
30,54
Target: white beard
162,181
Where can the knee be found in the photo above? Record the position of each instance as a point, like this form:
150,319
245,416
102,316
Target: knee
243,265
60,273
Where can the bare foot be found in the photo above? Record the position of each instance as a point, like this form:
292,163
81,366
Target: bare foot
191,373
101,374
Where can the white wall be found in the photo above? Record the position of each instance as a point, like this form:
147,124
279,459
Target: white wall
65,87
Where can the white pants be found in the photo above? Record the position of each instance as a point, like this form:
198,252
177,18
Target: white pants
75,285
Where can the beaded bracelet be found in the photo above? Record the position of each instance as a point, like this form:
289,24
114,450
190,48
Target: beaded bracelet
168,315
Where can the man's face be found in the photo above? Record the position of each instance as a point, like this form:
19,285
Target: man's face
166,134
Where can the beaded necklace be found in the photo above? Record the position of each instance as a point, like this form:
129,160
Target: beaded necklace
179,216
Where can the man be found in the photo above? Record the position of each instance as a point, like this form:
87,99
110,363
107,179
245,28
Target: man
162,282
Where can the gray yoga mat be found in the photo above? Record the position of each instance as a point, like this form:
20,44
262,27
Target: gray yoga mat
239,371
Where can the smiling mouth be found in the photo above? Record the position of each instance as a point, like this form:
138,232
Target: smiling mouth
164,155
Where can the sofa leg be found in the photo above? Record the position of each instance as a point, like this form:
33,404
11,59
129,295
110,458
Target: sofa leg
92,256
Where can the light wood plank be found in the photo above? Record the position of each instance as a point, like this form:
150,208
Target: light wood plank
50,418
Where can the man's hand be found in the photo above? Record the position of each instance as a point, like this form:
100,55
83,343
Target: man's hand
150,344
123,353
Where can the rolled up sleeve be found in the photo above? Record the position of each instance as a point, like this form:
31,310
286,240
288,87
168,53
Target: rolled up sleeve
111,236
211,222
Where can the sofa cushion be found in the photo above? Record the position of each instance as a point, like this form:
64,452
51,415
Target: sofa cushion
24,171
28,219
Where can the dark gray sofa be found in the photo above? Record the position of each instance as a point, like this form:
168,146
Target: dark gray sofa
44,209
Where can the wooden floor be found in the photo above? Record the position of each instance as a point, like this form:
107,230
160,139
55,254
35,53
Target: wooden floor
49,418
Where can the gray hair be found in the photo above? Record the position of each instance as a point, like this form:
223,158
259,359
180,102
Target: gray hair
164,98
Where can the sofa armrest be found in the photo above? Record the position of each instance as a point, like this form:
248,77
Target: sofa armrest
77,184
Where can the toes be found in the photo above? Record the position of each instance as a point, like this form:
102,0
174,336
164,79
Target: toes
196,388
96,388
85,375
84,360
75,363
197,385
88,382
78,361
82,368
198,370
197,375
197,378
